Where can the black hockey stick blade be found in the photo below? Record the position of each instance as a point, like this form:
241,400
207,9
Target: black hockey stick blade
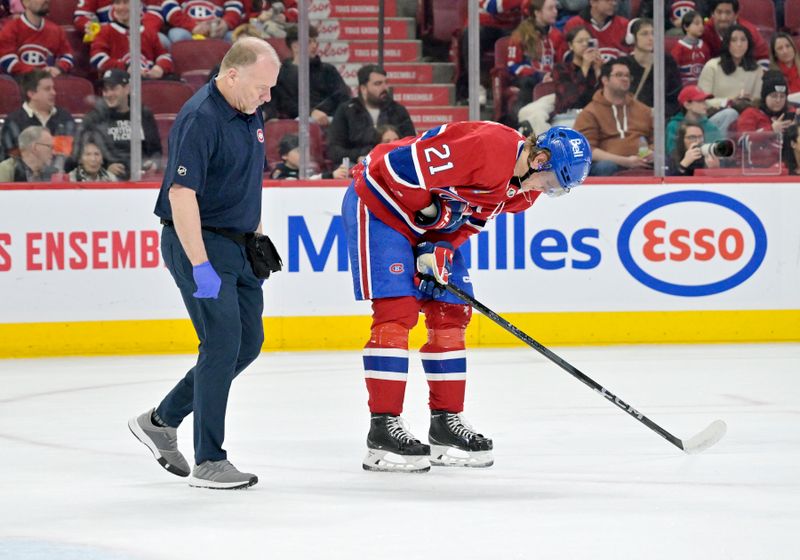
696,444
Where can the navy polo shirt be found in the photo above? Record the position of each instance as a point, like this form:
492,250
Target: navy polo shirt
218,152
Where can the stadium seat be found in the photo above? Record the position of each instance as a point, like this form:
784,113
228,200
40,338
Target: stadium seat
791,16
62,11
759,12
195,78
543,88
10,95
280,47
503,94
164,123
165,96
198,55
75,94
80,52
275,129
448,19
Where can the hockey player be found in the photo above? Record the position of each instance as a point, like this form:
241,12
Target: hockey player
411,205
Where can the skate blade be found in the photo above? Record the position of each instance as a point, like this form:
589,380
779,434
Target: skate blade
379,460
445,456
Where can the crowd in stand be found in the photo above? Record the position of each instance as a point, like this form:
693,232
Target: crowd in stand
582,63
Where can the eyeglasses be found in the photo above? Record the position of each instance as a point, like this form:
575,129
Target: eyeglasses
694,137
621,75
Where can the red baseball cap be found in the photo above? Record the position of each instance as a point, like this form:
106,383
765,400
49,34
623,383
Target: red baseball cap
692,93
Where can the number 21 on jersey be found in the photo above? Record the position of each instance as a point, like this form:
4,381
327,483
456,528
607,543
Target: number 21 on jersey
434,156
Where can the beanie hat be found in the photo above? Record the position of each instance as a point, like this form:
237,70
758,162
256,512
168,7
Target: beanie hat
680,7
773,81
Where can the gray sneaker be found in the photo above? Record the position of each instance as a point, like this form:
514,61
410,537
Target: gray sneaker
220,475
163,442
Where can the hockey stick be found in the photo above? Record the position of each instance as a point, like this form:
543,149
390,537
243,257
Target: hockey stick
700,442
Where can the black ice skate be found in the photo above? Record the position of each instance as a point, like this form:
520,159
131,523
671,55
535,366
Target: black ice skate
455,444
391,448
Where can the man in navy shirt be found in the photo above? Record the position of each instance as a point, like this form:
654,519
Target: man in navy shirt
211,194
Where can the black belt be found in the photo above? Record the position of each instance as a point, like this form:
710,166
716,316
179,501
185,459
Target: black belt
240,238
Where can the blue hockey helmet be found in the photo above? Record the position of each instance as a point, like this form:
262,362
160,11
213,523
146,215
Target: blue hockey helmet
570,155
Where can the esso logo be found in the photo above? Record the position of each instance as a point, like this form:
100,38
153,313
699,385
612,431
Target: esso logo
692,243
34,55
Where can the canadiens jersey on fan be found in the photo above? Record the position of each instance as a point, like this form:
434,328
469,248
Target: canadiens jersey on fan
188,13
25,47
468,161
100,10
110,49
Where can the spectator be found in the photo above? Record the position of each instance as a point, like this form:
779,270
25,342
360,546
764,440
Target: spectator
327,88
690,52
30,42
687,156
791,150
111,47
576,80
674,11
110,121
289,167
100,12
615,124
724,14
607,28
641,64
186,18
35,156
272,20
354,130
773,113
534,48
388,133
90,167
695,111
734,77
784,57
39,109
496,20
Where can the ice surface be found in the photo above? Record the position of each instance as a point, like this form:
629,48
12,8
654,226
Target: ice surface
574,476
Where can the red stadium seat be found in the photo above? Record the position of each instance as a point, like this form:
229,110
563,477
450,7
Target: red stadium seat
164,123
75,94
10,95
503,94
280,47
791,16
543,88
275,129
759,12
198,55
195,78
448,18
165,96
62,11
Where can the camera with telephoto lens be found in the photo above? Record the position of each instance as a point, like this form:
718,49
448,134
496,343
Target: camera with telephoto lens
723,148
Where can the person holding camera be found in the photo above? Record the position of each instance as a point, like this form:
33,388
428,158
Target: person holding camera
692,153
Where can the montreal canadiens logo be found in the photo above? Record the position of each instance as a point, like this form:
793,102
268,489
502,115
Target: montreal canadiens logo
201,10
396,268
34,55
260,135
692,243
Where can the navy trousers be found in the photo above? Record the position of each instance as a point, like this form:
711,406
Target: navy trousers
230,331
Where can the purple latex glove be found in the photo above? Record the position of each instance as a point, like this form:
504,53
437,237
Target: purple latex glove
207,281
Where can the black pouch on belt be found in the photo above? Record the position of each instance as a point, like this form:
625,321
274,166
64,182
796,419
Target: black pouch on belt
262,254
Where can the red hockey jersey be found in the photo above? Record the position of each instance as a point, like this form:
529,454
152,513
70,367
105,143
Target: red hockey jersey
503,14
610,35
468,161
100,10
551,47
111,49
690,59
188,13
25,47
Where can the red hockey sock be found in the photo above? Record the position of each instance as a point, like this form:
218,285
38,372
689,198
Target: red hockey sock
444,355
386,353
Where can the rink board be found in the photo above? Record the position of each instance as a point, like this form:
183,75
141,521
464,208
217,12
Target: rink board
81,272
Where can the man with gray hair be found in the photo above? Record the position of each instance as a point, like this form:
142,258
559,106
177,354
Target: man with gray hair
210,206
35,156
